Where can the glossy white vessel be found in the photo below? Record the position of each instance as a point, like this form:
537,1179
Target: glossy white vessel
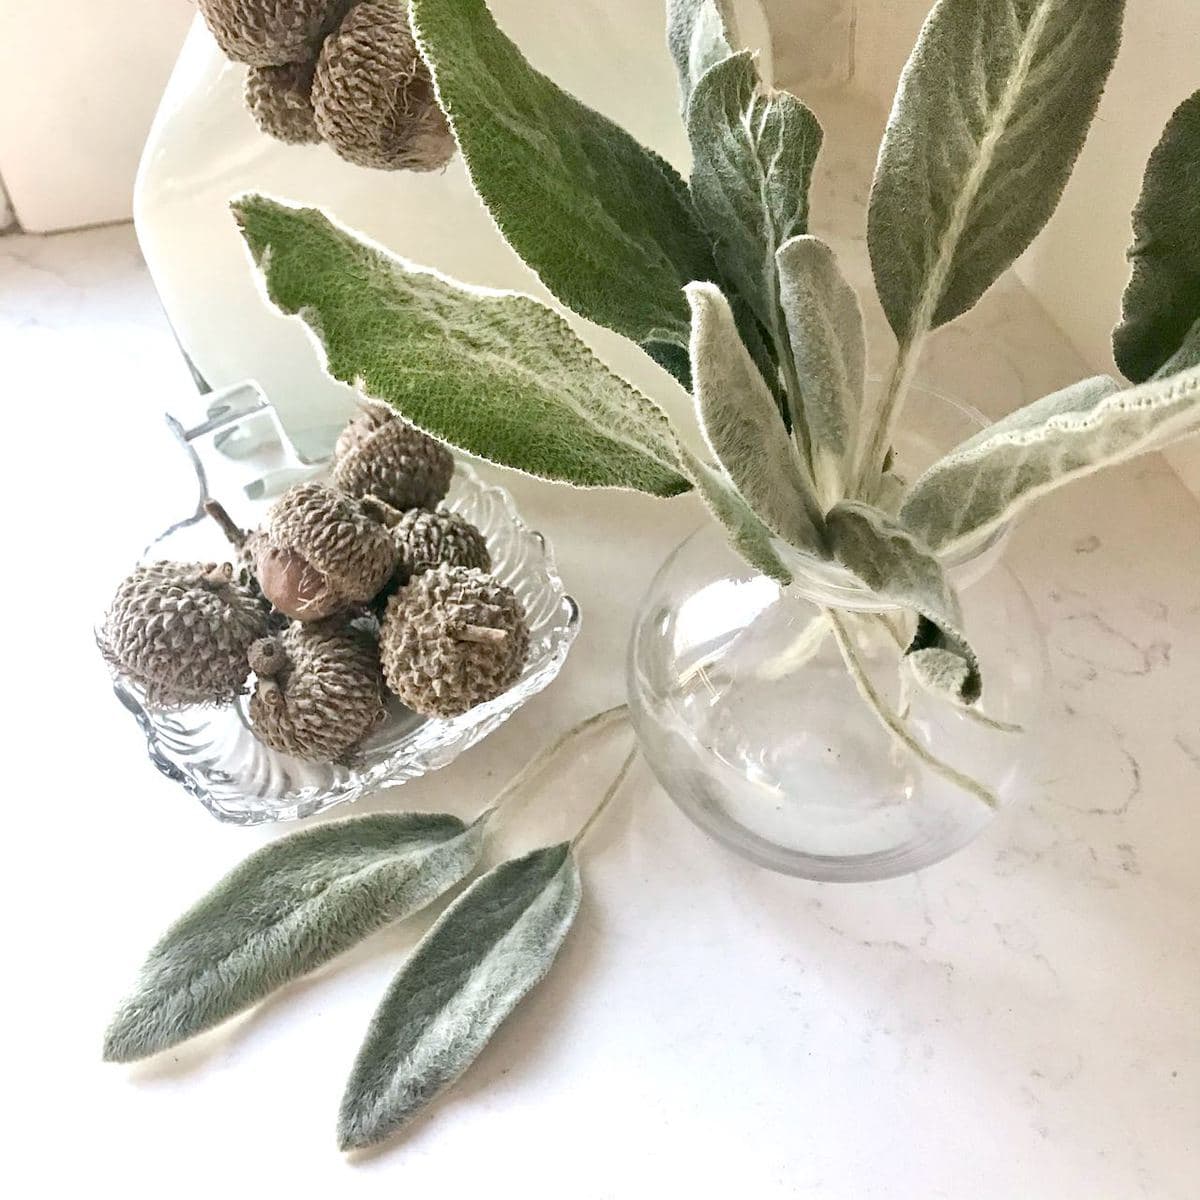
204,148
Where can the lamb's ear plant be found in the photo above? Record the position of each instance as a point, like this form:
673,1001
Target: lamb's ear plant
720,280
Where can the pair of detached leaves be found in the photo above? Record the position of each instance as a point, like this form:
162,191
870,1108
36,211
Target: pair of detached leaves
300,901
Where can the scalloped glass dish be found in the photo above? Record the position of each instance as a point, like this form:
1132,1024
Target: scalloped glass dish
213,753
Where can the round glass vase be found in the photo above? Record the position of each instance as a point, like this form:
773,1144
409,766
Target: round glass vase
752,723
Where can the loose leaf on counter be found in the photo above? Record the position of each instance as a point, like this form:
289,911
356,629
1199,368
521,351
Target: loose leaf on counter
1089,425
991,113
607,224
486,951
887,558
698,36
743,427
1162,301
288,908
825,327
752,163
496,374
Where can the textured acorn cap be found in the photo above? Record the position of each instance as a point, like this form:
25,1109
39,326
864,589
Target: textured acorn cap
427,539
373,94
181,632
321,552
452,638
265,33
319,691
280,101
379,454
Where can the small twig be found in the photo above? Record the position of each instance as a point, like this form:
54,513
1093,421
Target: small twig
895,726
229,527
613,788
478,633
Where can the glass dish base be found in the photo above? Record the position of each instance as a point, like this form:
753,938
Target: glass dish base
241,454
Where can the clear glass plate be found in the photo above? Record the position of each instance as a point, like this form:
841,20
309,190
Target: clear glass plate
213,753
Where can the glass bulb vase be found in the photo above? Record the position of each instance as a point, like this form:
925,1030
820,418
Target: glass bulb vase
754,726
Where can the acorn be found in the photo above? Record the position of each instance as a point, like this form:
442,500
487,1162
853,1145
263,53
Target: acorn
379,454
266,33
182,632
280,101
452,638
427,539
321,552
318,691
373,94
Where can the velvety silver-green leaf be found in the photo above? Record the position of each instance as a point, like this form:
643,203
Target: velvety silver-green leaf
752,163
496,374
829,349
286,910
743,427
486,951
607,224
746,533
991,113
1162,301
1092,424
898,568
1186,357
698,36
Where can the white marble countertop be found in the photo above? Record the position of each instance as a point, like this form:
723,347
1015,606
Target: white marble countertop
1020,1020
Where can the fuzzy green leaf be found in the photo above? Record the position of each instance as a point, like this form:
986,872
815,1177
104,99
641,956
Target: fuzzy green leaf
1186,357
992,111
752,163
286,910
496,374
746,533
1092,424
743,427
825,327
698,36
606,223
1162,301
486,951
894,565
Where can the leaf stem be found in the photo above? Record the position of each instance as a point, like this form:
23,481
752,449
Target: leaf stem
540,761
895,725
872,450
613,788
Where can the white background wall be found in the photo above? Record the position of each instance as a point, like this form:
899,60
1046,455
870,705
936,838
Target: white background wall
79,83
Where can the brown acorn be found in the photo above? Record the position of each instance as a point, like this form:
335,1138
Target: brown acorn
321,552
182,632
379,454
373,94
452,638
319,691
265,33
280,101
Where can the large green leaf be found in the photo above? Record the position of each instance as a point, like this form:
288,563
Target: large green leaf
607,224
752,163
743,427
288,908
1162,301
829,349
1187,356
897,568
486,951
698,36
991,113
1092,424
496,374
